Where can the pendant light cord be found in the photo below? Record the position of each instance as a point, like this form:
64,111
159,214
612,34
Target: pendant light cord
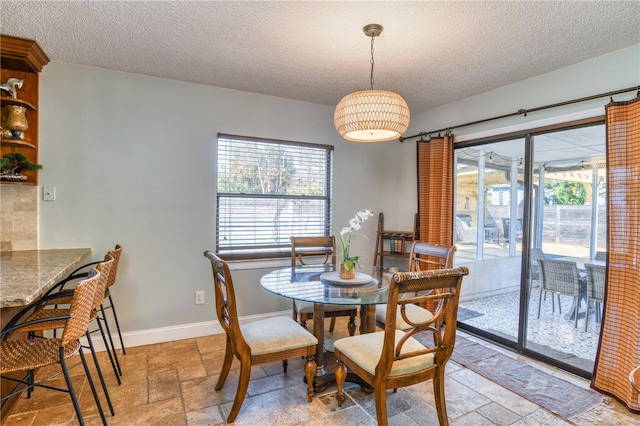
372,38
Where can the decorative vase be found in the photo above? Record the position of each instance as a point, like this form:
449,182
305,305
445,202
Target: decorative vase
347,275
14,119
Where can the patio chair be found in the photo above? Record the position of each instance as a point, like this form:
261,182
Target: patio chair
466,234
506,223
423,256
534,255
595,289
601,255
559,277
303,248
392,358
257,342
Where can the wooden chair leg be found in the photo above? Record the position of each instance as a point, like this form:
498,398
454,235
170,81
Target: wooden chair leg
226,365
341,375
380,397
438,393
332,325
310,372
243,385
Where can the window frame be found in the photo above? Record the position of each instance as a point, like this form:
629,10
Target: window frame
275,250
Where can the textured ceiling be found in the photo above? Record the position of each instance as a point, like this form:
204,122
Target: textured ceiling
431,53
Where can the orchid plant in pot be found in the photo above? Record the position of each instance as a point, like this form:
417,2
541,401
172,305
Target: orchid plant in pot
346,234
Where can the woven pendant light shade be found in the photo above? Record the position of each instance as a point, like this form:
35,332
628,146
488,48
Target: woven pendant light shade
371,116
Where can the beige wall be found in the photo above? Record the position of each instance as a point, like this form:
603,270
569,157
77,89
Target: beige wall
18,217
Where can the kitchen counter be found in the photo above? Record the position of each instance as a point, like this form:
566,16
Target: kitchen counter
26,275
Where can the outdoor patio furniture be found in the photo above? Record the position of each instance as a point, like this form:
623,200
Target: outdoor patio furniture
534,255
560,277
601,255
506,222
595,289
466,234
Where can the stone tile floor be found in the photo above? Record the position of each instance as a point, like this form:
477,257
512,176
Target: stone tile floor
173,384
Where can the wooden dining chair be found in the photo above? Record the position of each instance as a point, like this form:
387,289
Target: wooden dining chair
423,257
22,354
394,358
258,342
321,250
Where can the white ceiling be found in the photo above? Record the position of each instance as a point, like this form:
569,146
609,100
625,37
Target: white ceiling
431,52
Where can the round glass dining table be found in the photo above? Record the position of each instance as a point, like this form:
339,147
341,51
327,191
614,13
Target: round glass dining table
321,285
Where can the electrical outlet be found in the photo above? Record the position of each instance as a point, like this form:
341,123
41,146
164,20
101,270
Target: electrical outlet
48,193
200,297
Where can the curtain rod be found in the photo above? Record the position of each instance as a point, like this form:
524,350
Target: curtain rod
523,111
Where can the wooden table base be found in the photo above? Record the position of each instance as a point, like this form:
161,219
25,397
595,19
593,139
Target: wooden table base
326,361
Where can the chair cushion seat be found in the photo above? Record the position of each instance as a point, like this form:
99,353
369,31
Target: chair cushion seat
28,354
414,313
275,335
307,307
365,350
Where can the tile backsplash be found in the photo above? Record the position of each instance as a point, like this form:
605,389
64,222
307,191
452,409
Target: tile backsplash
18,217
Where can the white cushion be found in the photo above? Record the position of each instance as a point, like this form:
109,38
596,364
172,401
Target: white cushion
365,350
276,334
307,307
414,312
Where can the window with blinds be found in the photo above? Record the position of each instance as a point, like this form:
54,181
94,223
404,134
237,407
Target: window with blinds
267,191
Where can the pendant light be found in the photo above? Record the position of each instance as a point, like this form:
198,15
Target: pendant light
371,115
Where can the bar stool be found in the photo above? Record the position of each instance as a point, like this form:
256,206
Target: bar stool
29,354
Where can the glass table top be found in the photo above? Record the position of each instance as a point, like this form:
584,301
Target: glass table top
320,284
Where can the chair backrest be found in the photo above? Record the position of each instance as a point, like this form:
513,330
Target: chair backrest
559,275
303,248
226,308
80,308
595,280
601,255
425,256
104,268
506,223
441,287
534,255
115,253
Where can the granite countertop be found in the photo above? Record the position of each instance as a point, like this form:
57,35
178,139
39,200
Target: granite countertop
26,275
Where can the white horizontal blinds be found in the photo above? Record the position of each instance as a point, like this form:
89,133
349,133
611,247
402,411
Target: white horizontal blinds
268,191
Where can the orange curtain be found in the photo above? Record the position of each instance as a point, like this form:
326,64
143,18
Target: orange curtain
619,349
435,190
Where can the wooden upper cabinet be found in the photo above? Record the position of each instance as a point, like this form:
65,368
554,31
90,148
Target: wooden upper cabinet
23,59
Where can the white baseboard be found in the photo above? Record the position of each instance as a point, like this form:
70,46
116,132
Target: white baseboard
177,332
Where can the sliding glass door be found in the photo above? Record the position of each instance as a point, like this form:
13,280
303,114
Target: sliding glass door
488,233
569,231
539,196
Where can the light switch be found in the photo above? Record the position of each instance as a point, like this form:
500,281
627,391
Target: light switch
48,193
